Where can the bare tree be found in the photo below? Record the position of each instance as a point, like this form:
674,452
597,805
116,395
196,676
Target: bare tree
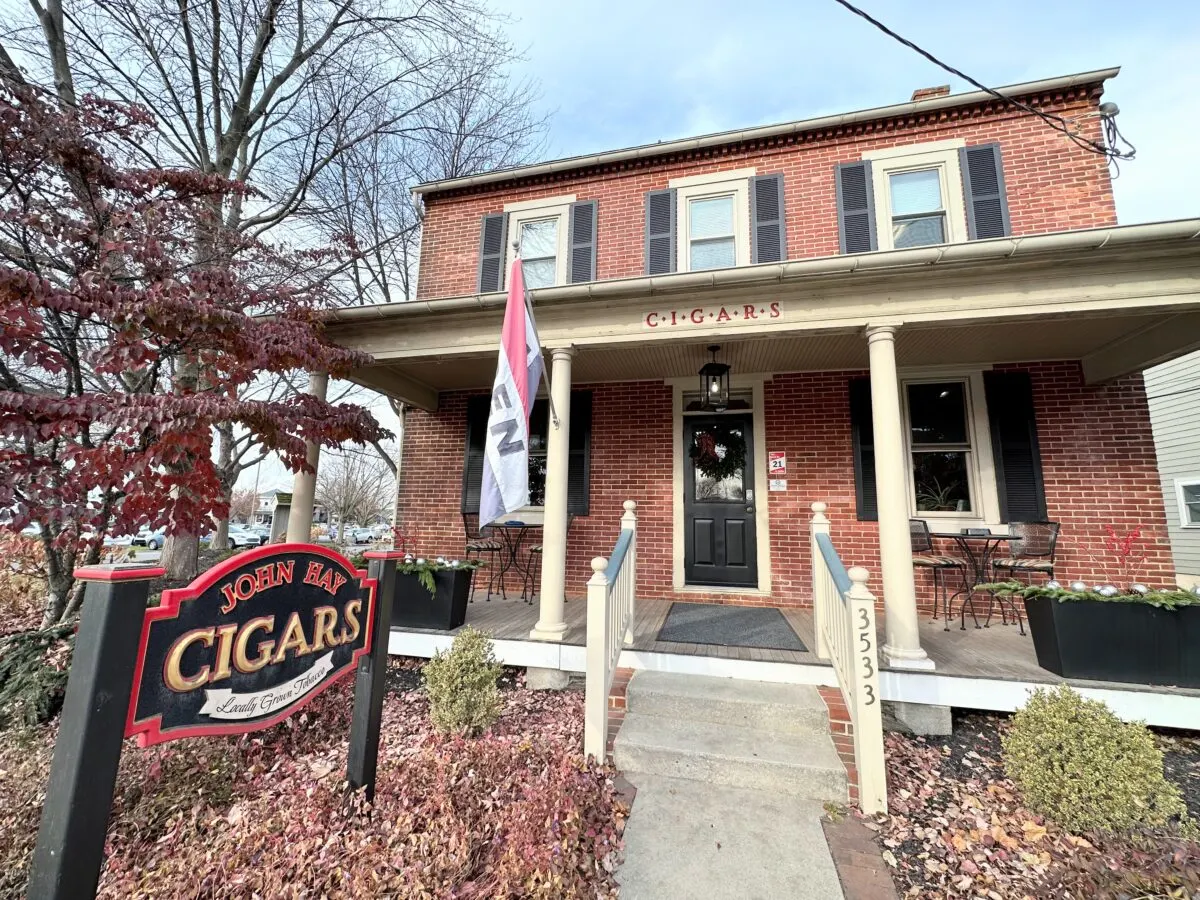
242,506
301,99
355,486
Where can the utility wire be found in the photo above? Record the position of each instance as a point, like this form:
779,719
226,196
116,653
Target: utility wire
1058,123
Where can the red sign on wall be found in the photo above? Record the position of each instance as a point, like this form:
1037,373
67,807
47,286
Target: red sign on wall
777,464
711,315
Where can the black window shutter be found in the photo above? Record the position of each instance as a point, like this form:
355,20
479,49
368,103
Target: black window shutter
983,188
579,464
491,252
477,415
581,263
862,432
660,232
768,240
856,208
1015,446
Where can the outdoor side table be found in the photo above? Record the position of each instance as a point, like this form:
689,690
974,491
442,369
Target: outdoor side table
513,534
978,551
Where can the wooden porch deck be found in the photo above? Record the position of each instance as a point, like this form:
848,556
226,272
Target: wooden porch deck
997,652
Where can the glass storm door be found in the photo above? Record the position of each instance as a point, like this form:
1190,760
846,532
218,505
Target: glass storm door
718,504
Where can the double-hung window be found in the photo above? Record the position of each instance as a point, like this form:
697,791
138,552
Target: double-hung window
918,195
944,464
713,211
540,229
1189,502
711,233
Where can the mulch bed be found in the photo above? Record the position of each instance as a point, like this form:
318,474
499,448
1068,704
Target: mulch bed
957,828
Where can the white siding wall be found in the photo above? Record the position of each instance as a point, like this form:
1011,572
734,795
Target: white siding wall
1173,390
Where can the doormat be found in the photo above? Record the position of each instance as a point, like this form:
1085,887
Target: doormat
729,626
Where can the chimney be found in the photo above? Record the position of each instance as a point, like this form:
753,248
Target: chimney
942,90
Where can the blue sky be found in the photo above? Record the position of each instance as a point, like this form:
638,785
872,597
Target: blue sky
619,72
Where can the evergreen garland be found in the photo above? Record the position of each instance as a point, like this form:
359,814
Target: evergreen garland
706,457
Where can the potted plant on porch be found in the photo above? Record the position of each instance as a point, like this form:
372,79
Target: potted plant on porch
1140,636
432,593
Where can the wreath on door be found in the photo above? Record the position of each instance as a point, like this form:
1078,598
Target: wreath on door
707,446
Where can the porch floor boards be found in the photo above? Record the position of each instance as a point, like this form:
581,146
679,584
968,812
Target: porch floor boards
999,651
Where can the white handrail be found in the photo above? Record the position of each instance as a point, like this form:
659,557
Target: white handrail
844,615
610,606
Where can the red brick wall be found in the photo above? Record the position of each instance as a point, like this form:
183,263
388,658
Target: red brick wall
841,729
1052,185
1098,462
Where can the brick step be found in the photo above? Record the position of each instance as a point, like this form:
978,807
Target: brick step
797,765
795,709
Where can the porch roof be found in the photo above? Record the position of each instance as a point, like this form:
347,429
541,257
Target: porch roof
1120,299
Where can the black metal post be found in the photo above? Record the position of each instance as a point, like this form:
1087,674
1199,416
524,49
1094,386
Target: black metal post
370,683
70,845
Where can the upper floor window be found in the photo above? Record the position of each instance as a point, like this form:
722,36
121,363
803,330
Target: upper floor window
1189,502
556,237
921,195
716,220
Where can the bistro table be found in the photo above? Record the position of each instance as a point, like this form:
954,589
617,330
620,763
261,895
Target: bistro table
513,534
978,551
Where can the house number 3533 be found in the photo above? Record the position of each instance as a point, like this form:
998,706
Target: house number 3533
865,644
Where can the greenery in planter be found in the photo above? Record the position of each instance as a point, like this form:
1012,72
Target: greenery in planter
1079,764
424,568
1172,599
462,685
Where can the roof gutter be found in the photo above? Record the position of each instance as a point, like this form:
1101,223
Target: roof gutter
1090,240
646,151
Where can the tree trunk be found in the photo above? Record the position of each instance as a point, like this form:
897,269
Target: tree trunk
181,556
60,578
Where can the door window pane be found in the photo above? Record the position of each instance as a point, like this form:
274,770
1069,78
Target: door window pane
941,482
707,487
938,413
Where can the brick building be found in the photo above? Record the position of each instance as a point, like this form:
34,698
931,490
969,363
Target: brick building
928,311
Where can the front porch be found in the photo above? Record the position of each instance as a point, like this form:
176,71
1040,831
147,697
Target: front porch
987,668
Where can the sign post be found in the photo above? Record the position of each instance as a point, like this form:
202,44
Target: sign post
370,683
241,648
70,846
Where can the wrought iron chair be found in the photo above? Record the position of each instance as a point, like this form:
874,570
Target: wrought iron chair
533,561
480,544
939,564
1032,554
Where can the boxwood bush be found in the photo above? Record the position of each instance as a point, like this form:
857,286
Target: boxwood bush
1077,763
462,685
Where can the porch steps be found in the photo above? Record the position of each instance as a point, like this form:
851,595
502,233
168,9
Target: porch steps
742,734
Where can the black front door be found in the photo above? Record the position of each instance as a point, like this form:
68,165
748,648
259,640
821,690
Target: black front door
718,501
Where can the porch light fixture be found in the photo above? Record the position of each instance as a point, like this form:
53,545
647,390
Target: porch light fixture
714,383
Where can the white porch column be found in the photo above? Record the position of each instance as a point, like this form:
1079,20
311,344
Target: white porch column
902,641
304,484
551,624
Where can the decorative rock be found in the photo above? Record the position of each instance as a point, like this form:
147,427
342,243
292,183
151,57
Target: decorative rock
1107,590
1078,587
1139,588
1054,585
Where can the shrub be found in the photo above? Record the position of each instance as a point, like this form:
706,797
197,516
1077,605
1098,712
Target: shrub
33,675
461,683
1077,763
22,582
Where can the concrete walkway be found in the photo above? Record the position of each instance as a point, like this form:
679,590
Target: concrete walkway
690,839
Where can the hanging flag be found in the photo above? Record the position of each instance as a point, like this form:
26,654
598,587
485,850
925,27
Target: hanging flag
505,485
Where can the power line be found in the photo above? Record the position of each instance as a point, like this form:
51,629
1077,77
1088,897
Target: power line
1107,149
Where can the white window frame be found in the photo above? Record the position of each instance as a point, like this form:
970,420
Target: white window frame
981,468
558,208
939,155
735,183
1180,484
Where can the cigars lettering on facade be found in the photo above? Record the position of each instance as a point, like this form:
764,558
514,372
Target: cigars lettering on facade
248,642
712,315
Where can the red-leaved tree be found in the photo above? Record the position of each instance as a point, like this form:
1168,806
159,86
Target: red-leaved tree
114,281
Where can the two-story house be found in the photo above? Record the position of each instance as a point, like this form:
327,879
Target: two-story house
926,311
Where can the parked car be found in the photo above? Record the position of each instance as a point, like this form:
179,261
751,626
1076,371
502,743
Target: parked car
359,535
151,540
263,532
382,532
239,537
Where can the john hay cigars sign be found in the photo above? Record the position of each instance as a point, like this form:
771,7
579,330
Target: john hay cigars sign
248,643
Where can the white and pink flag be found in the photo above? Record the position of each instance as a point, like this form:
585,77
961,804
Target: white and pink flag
505,485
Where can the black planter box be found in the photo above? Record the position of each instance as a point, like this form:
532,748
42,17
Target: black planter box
1127,642
414,607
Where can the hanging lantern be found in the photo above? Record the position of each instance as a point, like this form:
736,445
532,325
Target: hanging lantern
714,383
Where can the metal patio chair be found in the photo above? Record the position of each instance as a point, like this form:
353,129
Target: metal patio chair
480,544
939,564
1032,554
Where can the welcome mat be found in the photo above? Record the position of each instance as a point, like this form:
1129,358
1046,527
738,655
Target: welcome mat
730,626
